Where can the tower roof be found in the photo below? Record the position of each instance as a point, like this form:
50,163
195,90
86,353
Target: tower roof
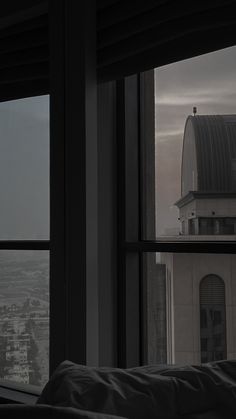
209,154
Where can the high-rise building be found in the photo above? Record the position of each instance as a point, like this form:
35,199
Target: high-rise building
201,288
208,180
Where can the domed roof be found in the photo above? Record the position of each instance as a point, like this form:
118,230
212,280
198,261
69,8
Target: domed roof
209,154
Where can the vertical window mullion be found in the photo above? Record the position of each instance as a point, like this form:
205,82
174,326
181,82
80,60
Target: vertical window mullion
74,292
57,185
129,222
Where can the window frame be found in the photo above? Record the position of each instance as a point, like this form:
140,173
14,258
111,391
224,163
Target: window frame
131,245
66,67
16,84
73,194
8,391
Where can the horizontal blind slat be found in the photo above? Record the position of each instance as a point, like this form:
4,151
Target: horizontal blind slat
164,33
158,16
172,51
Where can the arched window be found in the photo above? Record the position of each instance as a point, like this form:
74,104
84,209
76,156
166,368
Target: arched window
212,319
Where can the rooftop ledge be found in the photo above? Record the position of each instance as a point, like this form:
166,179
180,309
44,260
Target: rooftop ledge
192,195
199,237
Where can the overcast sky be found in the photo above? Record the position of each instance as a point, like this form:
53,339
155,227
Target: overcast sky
208,82
24,169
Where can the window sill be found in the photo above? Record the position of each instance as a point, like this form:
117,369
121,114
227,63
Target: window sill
12,394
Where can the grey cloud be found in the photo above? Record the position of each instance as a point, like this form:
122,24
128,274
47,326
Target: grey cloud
171,134
225,96
206,70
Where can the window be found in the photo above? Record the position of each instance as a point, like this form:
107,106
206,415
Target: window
38,58
179,216
212,302
24,241
216,226
188,309
217,320
194,197
194,185
206,226
203,318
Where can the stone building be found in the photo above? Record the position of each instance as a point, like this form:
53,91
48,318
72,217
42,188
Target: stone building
201,288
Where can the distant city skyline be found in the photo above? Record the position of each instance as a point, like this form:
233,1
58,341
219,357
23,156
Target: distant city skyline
208,82
24,316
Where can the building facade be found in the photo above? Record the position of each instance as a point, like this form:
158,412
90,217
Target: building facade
201,288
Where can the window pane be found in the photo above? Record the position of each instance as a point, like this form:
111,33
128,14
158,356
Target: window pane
195,139
24,316
24,169
189,305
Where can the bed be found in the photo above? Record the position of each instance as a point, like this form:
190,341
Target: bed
76,391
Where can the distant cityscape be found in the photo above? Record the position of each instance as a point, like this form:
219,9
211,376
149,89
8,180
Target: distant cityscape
24,316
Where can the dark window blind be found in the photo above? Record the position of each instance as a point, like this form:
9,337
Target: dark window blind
137,36
132,37
24,49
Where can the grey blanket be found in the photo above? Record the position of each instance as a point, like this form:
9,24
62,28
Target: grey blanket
151,392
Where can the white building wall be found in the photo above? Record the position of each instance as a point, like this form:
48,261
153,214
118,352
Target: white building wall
214,208
185,271
225,207
186,213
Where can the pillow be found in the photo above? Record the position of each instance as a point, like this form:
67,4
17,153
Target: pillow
135,393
